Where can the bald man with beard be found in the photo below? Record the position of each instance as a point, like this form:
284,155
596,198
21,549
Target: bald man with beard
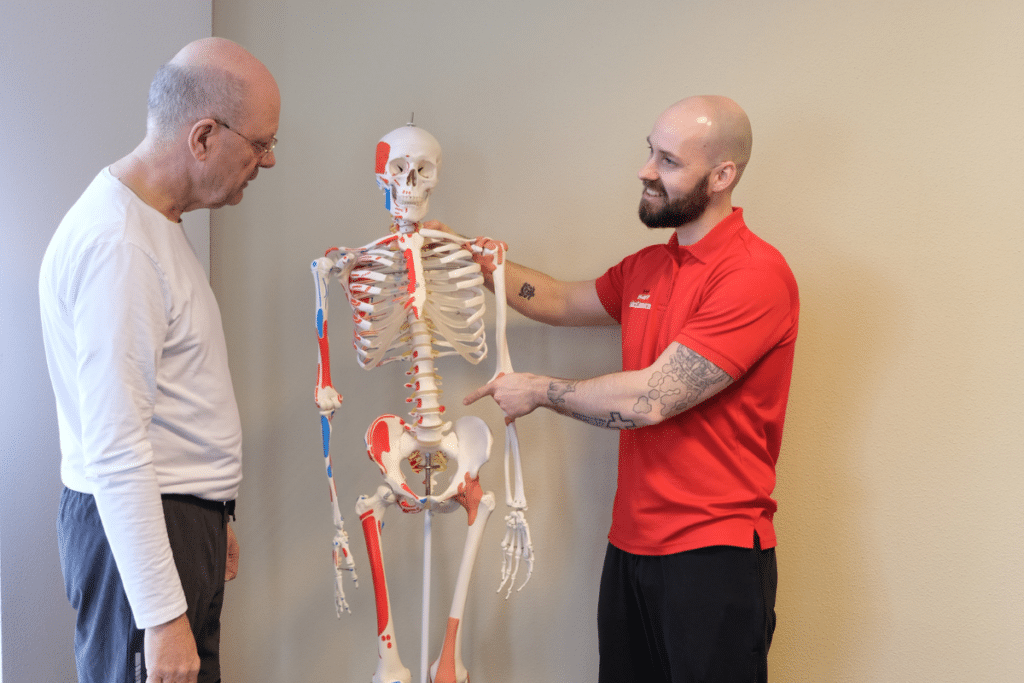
151,445
709,324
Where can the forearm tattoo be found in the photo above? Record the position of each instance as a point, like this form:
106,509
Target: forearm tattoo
527,291
557,390
614,421
682,383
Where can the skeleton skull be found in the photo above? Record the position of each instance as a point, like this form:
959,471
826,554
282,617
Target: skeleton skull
408,159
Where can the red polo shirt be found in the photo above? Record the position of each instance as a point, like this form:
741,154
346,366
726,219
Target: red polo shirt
706,476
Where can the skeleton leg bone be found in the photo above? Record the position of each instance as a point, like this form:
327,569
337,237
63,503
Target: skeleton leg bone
448,668
371,511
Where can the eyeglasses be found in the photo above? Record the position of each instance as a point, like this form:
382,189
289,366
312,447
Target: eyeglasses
261,149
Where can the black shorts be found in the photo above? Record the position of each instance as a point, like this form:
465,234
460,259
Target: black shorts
108,645
700,615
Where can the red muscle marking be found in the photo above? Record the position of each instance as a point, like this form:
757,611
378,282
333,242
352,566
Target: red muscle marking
325,359
413,282
469,496
446,662
383,152
380,443
371,531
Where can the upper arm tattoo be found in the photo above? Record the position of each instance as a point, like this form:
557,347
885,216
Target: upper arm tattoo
527,291
686,380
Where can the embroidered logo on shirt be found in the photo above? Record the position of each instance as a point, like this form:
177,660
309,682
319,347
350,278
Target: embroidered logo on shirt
641,300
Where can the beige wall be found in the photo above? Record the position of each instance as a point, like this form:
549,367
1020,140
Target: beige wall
887,168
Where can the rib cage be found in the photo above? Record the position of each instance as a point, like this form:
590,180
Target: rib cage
380,289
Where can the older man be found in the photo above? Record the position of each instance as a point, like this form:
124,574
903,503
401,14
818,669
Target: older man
709,323
150,433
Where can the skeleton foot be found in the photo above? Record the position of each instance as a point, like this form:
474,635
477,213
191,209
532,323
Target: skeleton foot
516,547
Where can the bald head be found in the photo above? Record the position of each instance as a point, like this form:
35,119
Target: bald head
715,124
208,78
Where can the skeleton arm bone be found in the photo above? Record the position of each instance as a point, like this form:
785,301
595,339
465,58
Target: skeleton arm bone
678,380
328,400
517,545
334,261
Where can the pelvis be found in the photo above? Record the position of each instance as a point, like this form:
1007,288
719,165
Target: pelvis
389,441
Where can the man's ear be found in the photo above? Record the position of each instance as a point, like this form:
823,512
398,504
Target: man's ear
723,177
199,138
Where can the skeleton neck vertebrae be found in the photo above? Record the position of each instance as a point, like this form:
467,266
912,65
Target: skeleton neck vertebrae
417,295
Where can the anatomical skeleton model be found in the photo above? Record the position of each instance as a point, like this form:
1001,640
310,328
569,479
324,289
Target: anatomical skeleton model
417,295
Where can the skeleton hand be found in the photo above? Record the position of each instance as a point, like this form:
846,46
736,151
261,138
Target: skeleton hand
342,556
516,546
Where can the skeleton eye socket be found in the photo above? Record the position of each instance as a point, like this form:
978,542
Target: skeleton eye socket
398,167
426,169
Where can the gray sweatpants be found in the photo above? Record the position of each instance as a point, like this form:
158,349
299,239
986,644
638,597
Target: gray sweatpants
108,645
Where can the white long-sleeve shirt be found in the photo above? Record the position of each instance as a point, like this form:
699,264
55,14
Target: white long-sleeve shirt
137,358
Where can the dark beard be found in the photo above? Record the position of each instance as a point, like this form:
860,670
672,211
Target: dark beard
678,211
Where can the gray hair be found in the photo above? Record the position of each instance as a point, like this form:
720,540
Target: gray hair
181,95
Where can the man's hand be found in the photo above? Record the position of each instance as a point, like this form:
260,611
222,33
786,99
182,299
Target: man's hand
483,249
231,570
517,393
171,655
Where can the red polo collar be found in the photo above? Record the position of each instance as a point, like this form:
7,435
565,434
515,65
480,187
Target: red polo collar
708,245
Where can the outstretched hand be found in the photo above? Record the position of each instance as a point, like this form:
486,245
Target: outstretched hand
517,393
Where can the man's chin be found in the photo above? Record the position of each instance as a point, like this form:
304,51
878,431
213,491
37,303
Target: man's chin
235,198
650,217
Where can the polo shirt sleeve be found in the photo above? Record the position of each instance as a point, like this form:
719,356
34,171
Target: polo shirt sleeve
609,290
746,311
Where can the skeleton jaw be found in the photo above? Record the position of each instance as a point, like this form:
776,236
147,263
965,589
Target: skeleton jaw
406,206
404,197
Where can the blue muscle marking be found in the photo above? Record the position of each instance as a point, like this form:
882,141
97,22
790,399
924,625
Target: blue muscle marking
320,323
325,428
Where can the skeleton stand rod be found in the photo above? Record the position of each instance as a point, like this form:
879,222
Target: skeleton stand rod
425,623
